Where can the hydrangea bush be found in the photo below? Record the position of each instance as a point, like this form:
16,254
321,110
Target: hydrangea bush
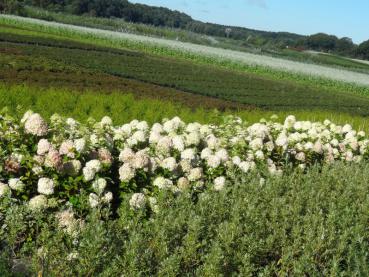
63,163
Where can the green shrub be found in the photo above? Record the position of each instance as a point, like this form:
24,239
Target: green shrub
299,224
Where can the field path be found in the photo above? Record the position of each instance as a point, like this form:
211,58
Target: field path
207,51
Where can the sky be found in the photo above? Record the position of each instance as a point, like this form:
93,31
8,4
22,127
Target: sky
343,18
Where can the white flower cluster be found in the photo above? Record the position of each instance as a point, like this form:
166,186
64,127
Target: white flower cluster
34,124
168,156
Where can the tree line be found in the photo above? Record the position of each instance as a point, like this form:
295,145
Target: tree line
163,17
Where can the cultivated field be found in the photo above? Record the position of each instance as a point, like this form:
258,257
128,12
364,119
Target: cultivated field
229,55
86,66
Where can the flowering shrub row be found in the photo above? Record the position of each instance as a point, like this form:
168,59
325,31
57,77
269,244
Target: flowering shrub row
50,164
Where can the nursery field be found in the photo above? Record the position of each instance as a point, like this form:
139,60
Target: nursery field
325,77
125,155
31,58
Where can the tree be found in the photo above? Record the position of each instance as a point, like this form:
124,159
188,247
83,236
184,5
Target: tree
321,42
362,51
345,46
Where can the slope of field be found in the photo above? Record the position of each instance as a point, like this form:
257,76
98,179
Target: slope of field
204,51
55,62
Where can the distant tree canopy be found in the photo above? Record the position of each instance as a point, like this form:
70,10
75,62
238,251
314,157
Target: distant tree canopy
363,50
159,16
329,43
321,42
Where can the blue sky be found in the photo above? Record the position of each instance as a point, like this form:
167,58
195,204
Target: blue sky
339,17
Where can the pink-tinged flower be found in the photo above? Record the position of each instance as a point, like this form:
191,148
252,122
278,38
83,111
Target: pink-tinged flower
53,159
67,148
12,165
105,156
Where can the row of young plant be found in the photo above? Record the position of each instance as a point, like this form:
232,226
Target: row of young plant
64,165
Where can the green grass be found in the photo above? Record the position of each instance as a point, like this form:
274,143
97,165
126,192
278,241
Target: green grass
313,224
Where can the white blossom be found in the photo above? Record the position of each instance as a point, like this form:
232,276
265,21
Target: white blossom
126,173
106,121
178,143
169,163
137,201
94,200
206,153
245,166
222,154
195,174
4,189
80,145
36,125
16,184
67,148
188,154
99,185
37,202
108,197
213,161
43,147
126,155
163,183
219,183
183,183
45,186
236,160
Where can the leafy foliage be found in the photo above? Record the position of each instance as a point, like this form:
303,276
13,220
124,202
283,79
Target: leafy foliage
312,224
